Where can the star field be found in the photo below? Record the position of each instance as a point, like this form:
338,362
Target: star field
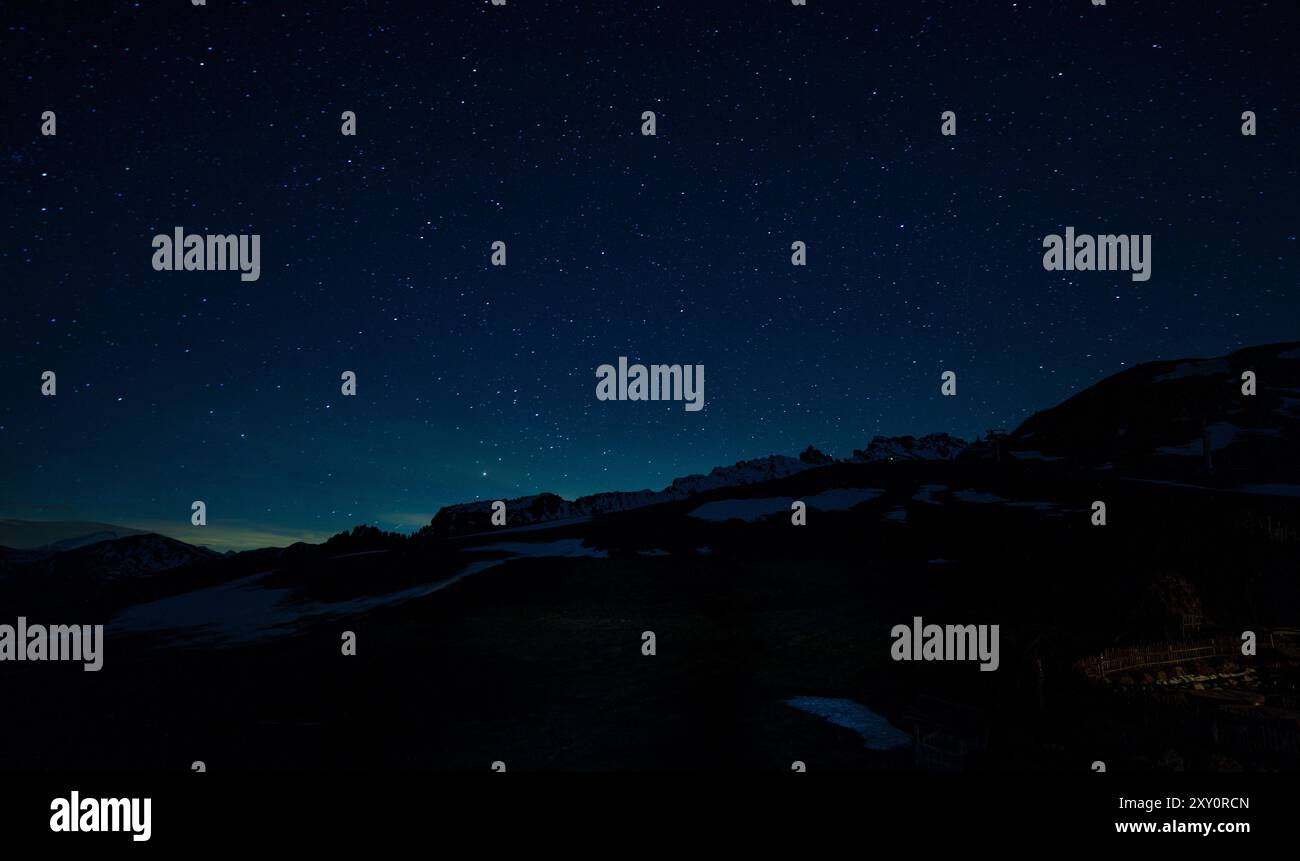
522,123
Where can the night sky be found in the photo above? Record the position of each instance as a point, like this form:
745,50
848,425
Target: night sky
523,123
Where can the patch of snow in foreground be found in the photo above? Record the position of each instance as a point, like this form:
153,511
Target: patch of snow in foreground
531,527
842,498
741,509
976,496
1032,455
757,509
877,732
243,611
927,492
1166,483
560,547
1036,505
238,611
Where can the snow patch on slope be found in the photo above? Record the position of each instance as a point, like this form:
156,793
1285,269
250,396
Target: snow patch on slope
876,731
1184,370
244,610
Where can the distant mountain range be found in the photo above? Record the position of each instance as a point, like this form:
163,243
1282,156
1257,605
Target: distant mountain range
103,555
66,534
1185,419
1155,420
547,507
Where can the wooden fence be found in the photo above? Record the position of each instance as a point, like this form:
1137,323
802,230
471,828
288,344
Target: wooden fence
1158,654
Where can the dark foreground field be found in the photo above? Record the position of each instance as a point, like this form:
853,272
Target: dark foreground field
537,661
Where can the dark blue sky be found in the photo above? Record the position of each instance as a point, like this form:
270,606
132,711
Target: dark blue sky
522,123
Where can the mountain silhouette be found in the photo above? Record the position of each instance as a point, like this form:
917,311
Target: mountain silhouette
33,534
523,642
1159,418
